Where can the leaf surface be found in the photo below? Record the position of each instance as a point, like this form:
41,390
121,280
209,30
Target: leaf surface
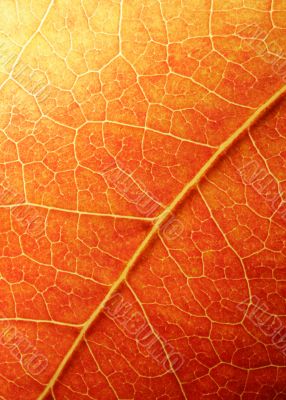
142,200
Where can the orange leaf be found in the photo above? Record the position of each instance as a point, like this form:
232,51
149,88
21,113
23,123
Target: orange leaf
142,200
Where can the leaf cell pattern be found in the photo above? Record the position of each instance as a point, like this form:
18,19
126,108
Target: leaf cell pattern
142,199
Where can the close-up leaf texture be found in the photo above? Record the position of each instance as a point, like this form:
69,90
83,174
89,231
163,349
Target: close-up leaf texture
142,199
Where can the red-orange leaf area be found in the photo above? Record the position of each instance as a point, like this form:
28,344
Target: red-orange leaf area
142,200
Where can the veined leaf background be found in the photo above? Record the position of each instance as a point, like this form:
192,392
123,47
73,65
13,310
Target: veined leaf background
142,199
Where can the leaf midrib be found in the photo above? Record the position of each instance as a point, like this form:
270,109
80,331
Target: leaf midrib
159,222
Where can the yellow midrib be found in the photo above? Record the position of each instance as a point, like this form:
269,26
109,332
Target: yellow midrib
161,219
